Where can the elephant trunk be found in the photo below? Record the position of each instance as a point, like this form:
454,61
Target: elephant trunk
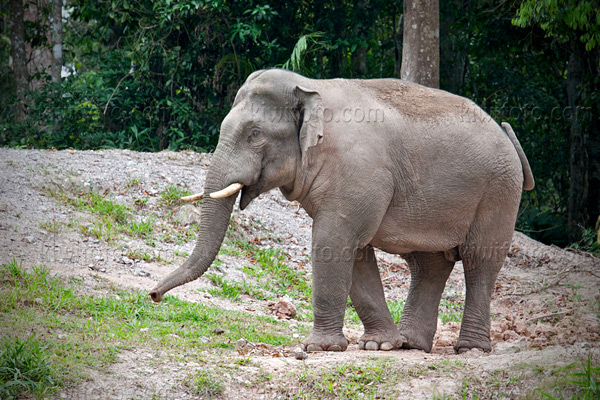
213,226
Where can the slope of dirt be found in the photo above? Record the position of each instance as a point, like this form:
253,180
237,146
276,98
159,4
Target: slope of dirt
545,309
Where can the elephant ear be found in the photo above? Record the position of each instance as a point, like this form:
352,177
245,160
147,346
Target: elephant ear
311,119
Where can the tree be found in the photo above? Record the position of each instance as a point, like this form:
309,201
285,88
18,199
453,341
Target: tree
420,46
19,57
57,50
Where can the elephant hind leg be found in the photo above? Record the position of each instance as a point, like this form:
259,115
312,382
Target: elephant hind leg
369,301
428,275
483,255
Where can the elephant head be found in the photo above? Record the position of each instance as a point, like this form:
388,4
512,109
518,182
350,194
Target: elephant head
263,144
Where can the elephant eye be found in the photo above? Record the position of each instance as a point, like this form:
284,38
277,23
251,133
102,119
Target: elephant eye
254,134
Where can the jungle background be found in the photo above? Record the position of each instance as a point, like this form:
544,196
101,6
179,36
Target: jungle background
152,75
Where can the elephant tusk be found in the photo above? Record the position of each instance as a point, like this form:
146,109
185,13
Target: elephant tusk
193,197
228,191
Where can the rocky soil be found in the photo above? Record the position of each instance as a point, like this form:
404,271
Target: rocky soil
545,306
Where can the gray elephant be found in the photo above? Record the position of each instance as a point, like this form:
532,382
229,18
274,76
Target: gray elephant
380,163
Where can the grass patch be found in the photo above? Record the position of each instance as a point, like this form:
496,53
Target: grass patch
82,331
25,369
269,268
142,255
172,195
51,226
112,218
577,381
205,384
133,182
450,311
233,289
374,379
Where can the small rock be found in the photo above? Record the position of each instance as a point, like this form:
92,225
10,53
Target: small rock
300,354
29,239
38,300
204,339
283,309
218,331
510,347
241,343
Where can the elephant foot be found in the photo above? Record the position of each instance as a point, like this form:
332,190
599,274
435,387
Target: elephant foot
464,345
384,341
414,339
320,342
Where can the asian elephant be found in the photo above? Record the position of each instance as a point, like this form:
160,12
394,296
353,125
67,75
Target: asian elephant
380,163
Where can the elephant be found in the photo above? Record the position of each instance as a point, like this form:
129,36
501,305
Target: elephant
377,164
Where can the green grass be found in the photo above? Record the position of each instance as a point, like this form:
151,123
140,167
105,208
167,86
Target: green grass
112,219
232,289
268,267
205,384
580,380
450,311
172,195
142,255
95,328
347,381
25,369
51,226
133,182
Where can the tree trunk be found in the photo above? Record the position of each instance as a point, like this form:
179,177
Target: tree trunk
338,29
57,51
397,32
593,147
19,57
578,157
420,46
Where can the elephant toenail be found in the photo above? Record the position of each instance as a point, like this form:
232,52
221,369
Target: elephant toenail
386,346
361,344
371,346
335,347
313,347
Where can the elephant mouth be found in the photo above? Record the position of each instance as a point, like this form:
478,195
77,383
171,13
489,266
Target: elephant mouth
249,193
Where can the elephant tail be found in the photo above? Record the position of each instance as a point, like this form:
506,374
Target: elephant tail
528,182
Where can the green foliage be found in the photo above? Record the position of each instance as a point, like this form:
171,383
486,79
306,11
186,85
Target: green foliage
25,369
296,60
581,385
560,18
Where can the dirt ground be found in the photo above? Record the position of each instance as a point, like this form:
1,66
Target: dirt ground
545,308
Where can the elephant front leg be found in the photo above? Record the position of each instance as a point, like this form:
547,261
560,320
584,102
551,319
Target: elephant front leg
332,261
369,301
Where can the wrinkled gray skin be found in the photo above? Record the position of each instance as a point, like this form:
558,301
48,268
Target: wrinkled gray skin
432,178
